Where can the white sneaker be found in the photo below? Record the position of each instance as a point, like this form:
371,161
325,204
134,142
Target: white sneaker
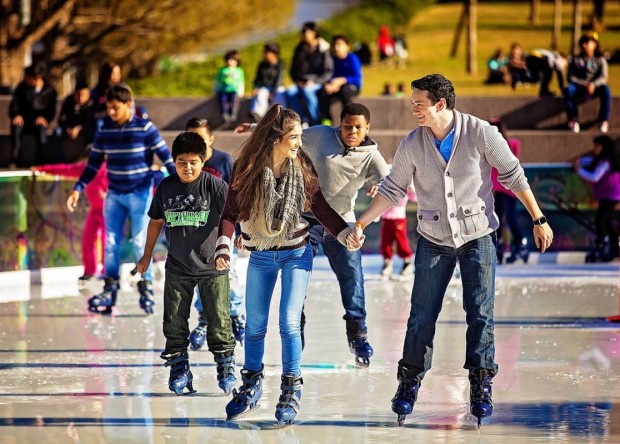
604,127
407,270
574,126
387,268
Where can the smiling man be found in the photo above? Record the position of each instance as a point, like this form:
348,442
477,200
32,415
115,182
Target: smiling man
346,160
449,157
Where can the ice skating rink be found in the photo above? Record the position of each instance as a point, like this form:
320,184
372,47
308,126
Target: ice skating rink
68,376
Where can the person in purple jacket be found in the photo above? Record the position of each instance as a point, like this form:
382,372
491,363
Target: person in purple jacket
346,81
602,170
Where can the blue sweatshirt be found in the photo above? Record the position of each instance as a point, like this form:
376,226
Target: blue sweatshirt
129,150
350,68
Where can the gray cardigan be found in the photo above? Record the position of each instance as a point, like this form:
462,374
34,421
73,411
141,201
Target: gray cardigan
455,199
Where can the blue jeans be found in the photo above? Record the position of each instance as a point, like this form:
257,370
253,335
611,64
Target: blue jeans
304,101
296,267
347,265
117,207
434,265
575,92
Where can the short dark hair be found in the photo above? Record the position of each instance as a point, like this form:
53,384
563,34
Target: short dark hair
35,70
340,37
189,143
310,26
437,87
121,92
198,122
233,54
81,84
355,109
272,47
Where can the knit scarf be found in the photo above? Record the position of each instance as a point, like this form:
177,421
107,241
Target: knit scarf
274,219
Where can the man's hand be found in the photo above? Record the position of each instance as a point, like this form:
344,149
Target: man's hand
143,264
222,264
373,190
543,236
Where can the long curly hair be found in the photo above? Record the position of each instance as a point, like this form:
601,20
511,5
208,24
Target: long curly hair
256,154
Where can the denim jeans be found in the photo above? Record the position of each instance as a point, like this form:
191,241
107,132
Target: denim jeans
117,207
434,265
303,101
214,292
16,141
574,92
347,265
295,267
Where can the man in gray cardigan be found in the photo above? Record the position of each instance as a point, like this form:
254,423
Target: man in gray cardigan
450,157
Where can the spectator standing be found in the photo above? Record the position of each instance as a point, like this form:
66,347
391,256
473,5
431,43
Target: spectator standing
385,43
394,231
542,64
229,85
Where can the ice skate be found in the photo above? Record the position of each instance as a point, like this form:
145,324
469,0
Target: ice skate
600,253
520,252
362,351
405,397
246,398
387,268
226,378
290,399
180,375
238,329
84,281
103,302
480,394
407,271
198,335
146,296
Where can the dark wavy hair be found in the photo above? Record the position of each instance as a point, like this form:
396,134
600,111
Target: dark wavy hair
437,87
609,152
256,154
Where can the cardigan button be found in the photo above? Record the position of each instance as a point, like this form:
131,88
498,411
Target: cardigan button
466,211
449,194
435,217
452,215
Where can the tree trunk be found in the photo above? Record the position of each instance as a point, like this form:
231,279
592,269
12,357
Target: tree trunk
458,31
557,25
576,26
535,12
472,36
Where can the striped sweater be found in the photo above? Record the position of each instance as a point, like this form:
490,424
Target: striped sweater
325,214
455,198
129,151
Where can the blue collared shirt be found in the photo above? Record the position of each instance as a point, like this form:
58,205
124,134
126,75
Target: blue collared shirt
445,146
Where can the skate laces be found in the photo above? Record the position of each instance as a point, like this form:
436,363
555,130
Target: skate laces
201,329
407,391
480,391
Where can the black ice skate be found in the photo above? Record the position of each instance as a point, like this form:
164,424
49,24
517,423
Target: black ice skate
290,399
480,394
406,395
362,351
146,296
103,302
180,374
519,252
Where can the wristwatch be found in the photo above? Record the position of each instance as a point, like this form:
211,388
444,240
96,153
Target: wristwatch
540,221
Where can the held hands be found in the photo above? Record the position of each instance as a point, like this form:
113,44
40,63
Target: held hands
543,236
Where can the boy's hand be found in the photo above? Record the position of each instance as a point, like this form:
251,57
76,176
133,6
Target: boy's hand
222,264
143,264
72,201
242,128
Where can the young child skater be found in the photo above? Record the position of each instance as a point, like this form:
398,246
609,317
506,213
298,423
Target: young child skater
273,183
93,233
189,203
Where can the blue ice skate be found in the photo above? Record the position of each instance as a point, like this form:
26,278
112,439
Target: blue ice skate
103,302
246,399
198,335
147,300
480,394
290,399
362,350
180,374
226,378
405,397
238,328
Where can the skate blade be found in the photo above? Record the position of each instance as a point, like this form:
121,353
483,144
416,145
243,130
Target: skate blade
185,393
95,309
400,421
362,362
242,414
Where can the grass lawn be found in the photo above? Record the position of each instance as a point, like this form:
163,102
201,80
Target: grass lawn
430,33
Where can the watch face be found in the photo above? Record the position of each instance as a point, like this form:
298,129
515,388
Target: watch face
540,221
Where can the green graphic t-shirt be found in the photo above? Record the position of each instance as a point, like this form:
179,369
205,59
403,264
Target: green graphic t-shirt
191,212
